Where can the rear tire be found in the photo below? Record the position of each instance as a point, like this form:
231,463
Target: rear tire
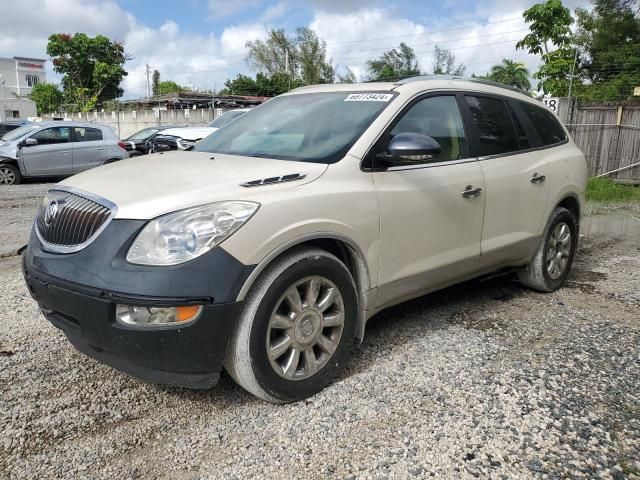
295,327
9,174
550,266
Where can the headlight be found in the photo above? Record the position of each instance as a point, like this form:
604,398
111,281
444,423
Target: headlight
182,236
184,144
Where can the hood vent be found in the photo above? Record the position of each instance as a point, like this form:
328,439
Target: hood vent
271,180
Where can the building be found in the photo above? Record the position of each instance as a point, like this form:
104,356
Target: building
18,75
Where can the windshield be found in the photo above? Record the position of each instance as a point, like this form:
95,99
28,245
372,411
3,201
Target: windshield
19,132
144,133
310,127
225,118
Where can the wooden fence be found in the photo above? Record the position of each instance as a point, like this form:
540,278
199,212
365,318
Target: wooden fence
609,136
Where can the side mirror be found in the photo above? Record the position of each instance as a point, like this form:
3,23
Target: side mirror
409,147
29,142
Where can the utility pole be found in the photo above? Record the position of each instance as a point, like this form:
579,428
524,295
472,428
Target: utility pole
148,84
573,67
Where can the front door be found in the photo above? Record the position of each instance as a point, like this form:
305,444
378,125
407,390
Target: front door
515,179
430,214
89,150
51,156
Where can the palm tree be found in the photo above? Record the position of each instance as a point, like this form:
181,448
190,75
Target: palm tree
511,73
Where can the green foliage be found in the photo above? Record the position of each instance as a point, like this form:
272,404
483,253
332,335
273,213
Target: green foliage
91,67
606,190
444,63
47,96
303,58
169,86
608,38
550,23
262,86
511,73
348,77
394,63
155,83
555,72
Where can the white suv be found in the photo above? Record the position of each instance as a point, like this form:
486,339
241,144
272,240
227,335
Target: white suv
268,247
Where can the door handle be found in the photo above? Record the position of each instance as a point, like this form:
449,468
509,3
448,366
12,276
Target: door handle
101,148
64,153
537,178
471,191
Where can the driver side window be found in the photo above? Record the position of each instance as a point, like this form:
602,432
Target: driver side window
53,135
438,117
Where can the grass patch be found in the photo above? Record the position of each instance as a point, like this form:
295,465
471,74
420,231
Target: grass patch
606,190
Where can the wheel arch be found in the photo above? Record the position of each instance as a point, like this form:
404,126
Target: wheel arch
572,203
345,249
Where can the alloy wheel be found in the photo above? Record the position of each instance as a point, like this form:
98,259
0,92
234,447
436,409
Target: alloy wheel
305,328
558,250
7,176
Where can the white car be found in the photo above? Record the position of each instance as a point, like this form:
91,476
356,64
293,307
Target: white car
267,248
183,138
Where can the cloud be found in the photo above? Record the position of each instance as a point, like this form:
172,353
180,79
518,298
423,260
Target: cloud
227,8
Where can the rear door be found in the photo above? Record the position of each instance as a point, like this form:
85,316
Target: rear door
514,173
89,148
51,156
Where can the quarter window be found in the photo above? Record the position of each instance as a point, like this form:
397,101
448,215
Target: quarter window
495,130
52,136
523,140
83,134
439,118
545,123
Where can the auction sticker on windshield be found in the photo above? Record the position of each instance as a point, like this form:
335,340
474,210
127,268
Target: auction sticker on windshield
369,97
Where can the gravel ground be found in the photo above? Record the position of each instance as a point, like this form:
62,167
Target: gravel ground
484,380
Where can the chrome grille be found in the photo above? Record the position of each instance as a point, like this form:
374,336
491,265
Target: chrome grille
67,222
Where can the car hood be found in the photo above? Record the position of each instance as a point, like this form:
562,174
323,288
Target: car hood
151,185
8,149
189,133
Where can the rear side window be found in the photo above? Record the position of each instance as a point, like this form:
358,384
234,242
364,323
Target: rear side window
495,129
545,123
523,140
83,134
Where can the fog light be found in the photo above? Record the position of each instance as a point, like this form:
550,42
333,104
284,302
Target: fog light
156,316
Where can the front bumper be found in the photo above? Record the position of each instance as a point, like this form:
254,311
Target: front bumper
78,293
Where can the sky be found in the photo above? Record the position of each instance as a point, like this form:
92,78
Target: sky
201,43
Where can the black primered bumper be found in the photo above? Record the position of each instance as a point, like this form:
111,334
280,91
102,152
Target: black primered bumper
189,356
78,293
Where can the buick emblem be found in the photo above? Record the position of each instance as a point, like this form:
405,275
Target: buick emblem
51,212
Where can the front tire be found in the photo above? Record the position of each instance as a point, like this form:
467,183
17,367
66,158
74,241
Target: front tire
295,328
9,174
551,263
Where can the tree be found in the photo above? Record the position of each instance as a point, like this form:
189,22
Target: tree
394,63
444,63
262,86
169,86
608,38
303,57
47,96
91,67
348,77
155,83
511,73
550,25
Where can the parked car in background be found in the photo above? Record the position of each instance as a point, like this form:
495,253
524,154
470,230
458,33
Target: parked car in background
57,149
227,117
186,137
268,247
180,138
10,125
138,143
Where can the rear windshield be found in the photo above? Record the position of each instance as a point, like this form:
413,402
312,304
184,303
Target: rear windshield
309,127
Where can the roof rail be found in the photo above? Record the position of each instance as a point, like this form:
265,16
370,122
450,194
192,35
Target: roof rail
482,81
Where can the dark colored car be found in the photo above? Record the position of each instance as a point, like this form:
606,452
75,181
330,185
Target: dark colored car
138,143
9,125
163,143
